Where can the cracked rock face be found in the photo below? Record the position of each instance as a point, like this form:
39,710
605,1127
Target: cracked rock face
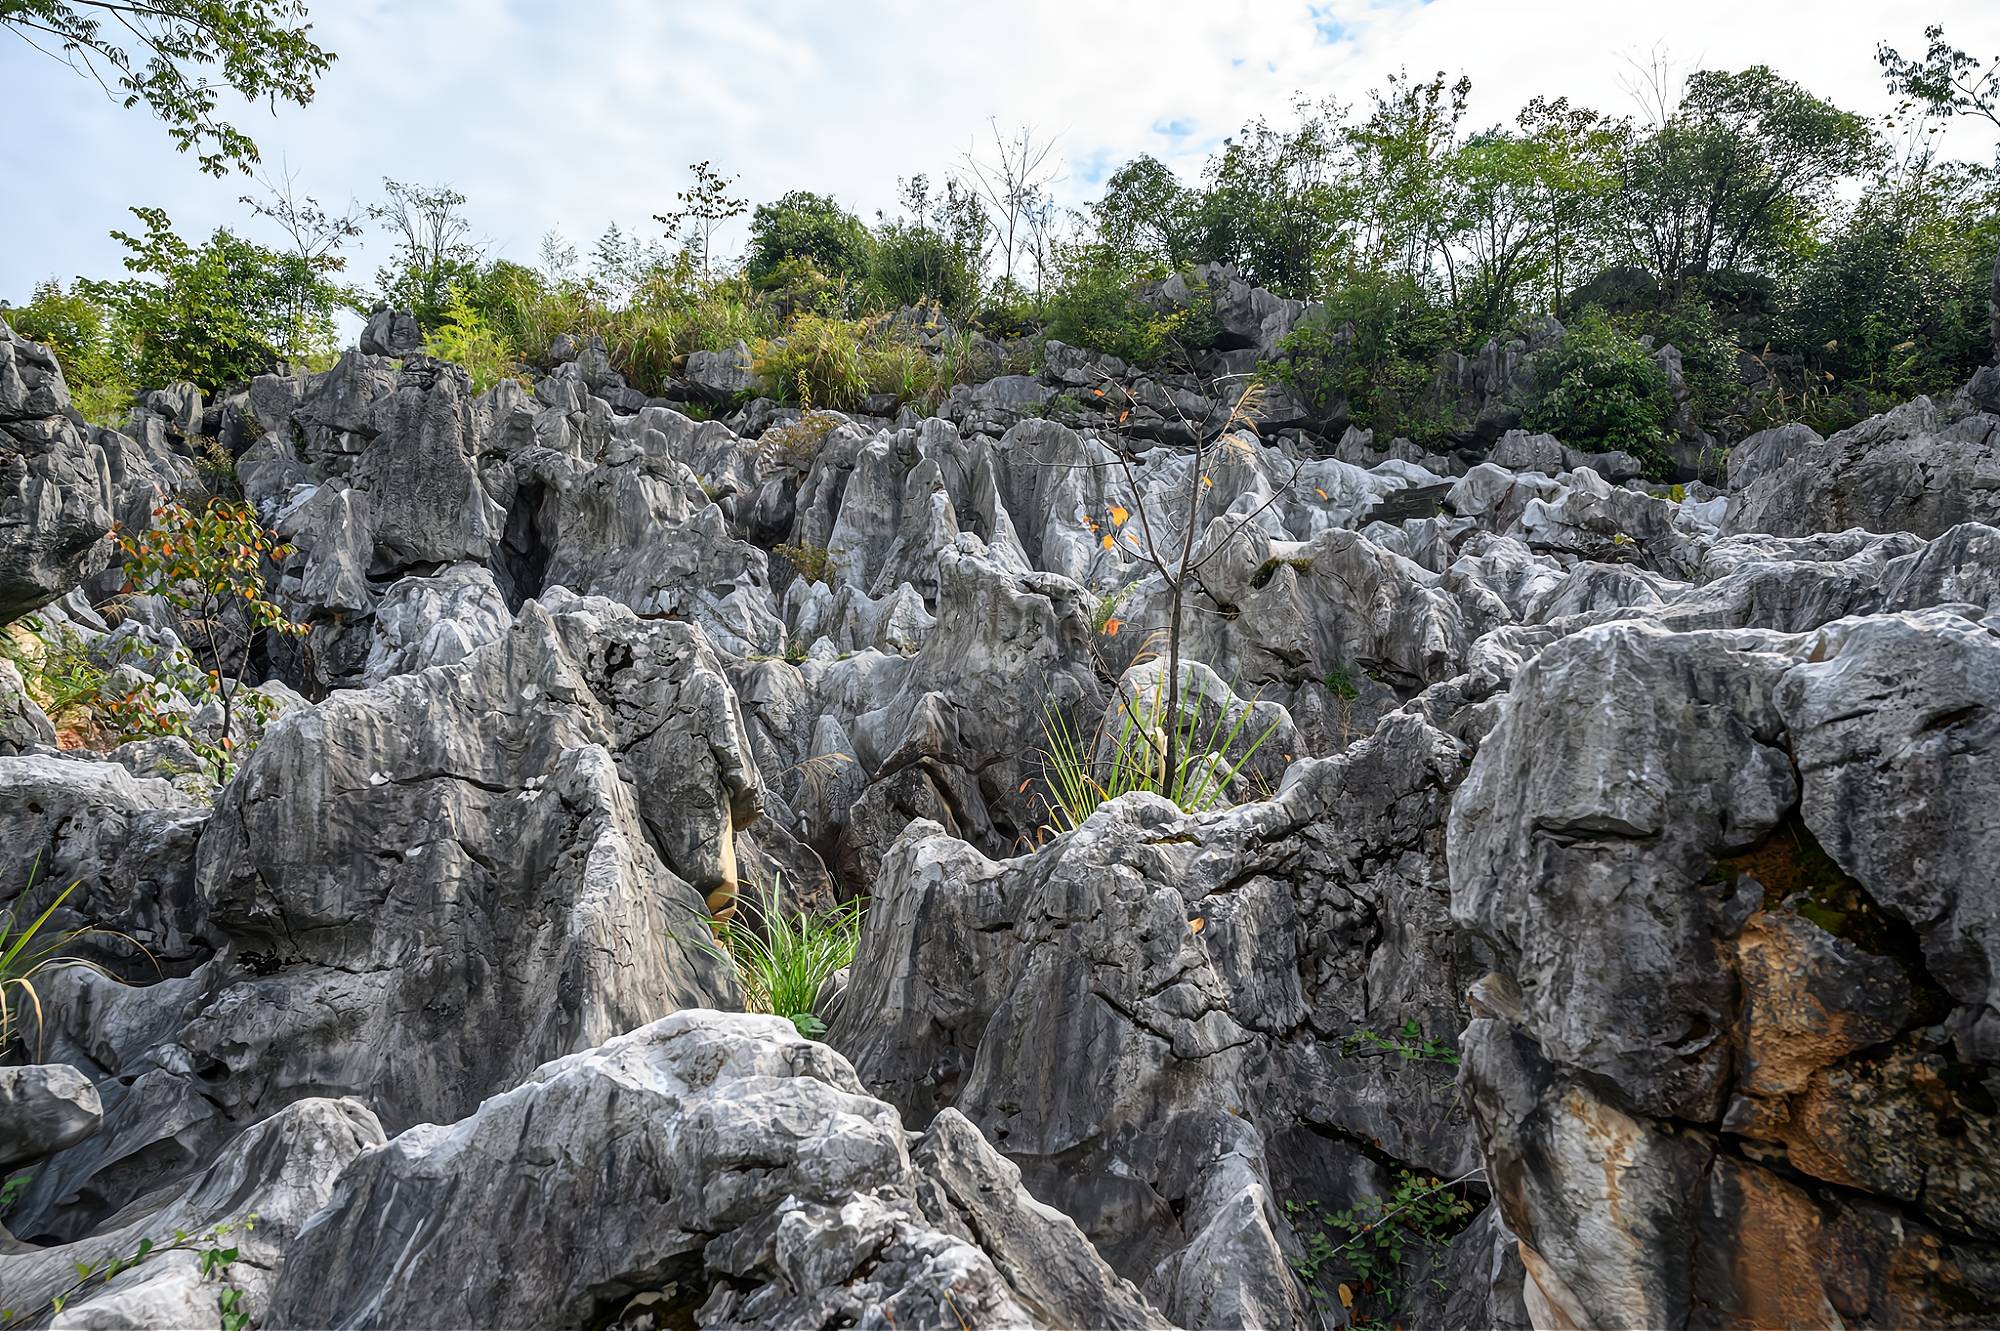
734,1174
472,848
1736,1059
1615,866
1214,974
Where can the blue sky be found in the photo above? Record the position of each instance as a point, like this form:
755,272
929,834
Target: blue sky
572,115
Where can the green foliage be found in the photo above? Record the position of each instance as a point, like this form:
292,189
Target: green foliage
1896,301
1737,174
1598,389
1095,304
805,233
214,314
92,349
212,1259
1340,683
260,49
466,339
808,561
1375,1242
1408,1042
785,958
209,565
432,253
699,210
1198,779
25,952
1371,352
935,253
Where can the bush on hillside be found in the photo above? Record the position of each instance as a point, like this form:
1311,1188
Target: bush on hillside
1599,389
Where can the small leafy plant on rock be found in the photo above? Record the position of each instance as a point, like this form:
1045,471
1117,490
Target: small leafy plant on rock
209,563
1377,1242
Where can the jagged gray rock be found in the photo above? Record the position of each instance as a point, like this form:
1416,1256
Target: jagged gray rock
56,498
1214,973
737,1174
254,1197
1738,1053
44,1107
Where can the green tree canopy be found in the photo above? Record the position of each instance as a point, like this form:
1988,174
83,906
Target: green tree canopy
804,225
177,56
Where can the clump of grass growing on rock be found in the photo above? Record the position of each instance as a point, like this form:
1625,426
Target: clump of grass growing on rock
1198,778
785,958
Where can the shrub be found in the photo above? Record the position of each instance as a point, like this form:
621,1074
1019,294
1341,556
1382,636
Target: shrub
1598,389
1096,304
464,338
807,231
820,359
218,313
786,957
209,565
1200,778
808,561
936,253
92,349
1371,349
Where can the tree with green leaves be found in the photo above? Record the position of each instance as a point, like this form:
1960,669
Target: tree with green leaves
1945,81
177,56
700,209
813,227
433,250
1736,175
1277,203
90,345
1575,184
217,313
935,252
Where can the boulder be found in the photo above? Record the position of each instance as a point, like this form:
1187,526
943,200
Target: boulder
43,1109
1737,1056
707,1167
393,333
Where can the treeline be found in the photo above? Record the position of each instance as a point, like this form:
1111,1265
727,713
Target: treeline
1807,263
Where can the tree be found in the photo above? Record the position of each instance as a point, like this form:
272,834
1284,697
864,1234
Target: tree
209,565
316,236
1166,539
1014,184
93,349
1148,216
259,48
213,314
1279,205
1947,81
704,206
433,252
937,251
813,227
1575,183
1736,175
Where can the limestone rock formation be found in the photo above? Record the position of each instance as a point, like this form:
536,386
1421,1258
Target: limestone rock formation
709,1167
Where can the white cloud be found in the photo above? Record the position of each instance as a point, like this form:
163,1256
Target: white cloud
580,114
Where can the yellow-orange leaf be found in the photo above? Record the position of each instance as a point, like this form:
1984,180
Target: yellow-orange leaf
1111,627
1321,493
1346,1297
1109,542
1207,483
1195,925
1118,515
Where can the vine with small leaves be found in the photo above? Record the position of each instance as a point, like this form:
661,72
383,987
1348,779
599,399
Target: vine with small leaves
1407,1042
208,1247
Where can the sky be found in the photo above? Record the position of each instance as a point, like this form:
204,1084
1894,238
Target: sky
570,114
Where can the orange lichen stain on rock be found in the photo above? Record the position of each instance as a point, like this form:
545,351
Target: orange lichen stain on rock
1775,1235
1785,1033
1549,1304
